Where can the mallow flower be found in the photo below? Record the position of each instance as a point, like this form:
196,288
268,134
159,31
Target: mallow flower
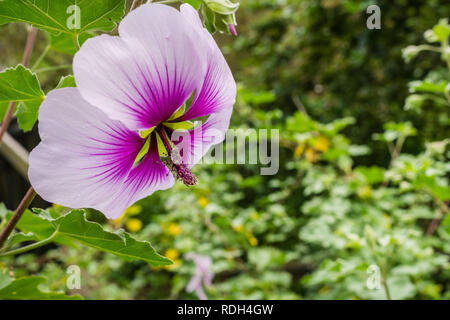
202,275
112,140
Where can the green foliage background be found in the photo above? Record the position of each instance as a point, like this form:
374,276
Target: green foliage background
363,177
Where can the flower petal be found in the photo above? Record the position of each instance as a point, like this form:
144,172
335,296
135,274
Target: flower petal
217,91
146,74
194,144
85,159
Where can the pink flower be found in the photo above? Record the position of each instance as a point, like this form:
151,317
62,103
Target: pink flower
202,275
101,142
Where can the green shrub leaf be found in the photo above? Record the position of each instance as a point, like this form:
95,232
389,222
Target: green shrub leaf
62,15
27,288
74,227
21,85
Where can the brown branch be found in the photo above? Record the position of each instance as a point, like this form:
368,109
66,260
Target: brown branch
434,224
26,201
134,5
26,59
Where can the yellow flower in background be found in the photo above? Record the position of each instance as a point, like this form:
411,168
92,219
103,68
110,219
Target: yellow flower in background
238,228
203,202
174,229
118,222
324,290
133,210
364,192
387,221
311,155
176,264
321,143
254,215
252,239
299,150
172,254
134,225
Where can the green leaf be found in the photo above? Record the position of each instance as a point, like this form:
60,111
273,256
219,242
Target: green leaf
372,175
21,85
195,3
40,226
27,288
3,109
21,237
434,186
5,278
445,225
75,226
65,82
401,287
3,210
442,30
60,16
63,42
427,86
27,115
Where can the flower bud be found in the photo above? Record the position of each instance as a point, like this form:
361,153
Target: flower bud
410,52
430,36
224,7
232,29
221,15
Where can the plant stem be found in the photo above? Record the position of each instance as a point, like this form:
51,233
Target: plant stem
434,224
26,201
386,288
134,5
31,246
381,264
29,46
41,57
26,59
76,41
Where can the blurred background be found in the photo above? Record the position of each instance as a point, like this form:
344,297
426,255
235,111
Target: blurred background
360,203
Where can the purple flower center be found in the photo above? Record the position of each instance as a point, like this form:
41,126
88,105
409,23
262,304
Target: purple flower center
173,160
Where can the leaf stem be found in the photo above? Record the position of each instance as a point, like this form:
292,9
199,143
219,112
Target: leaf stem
386,287
29,46
134,5
381,264
76,42
25,60
26,201
31,246
41,57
